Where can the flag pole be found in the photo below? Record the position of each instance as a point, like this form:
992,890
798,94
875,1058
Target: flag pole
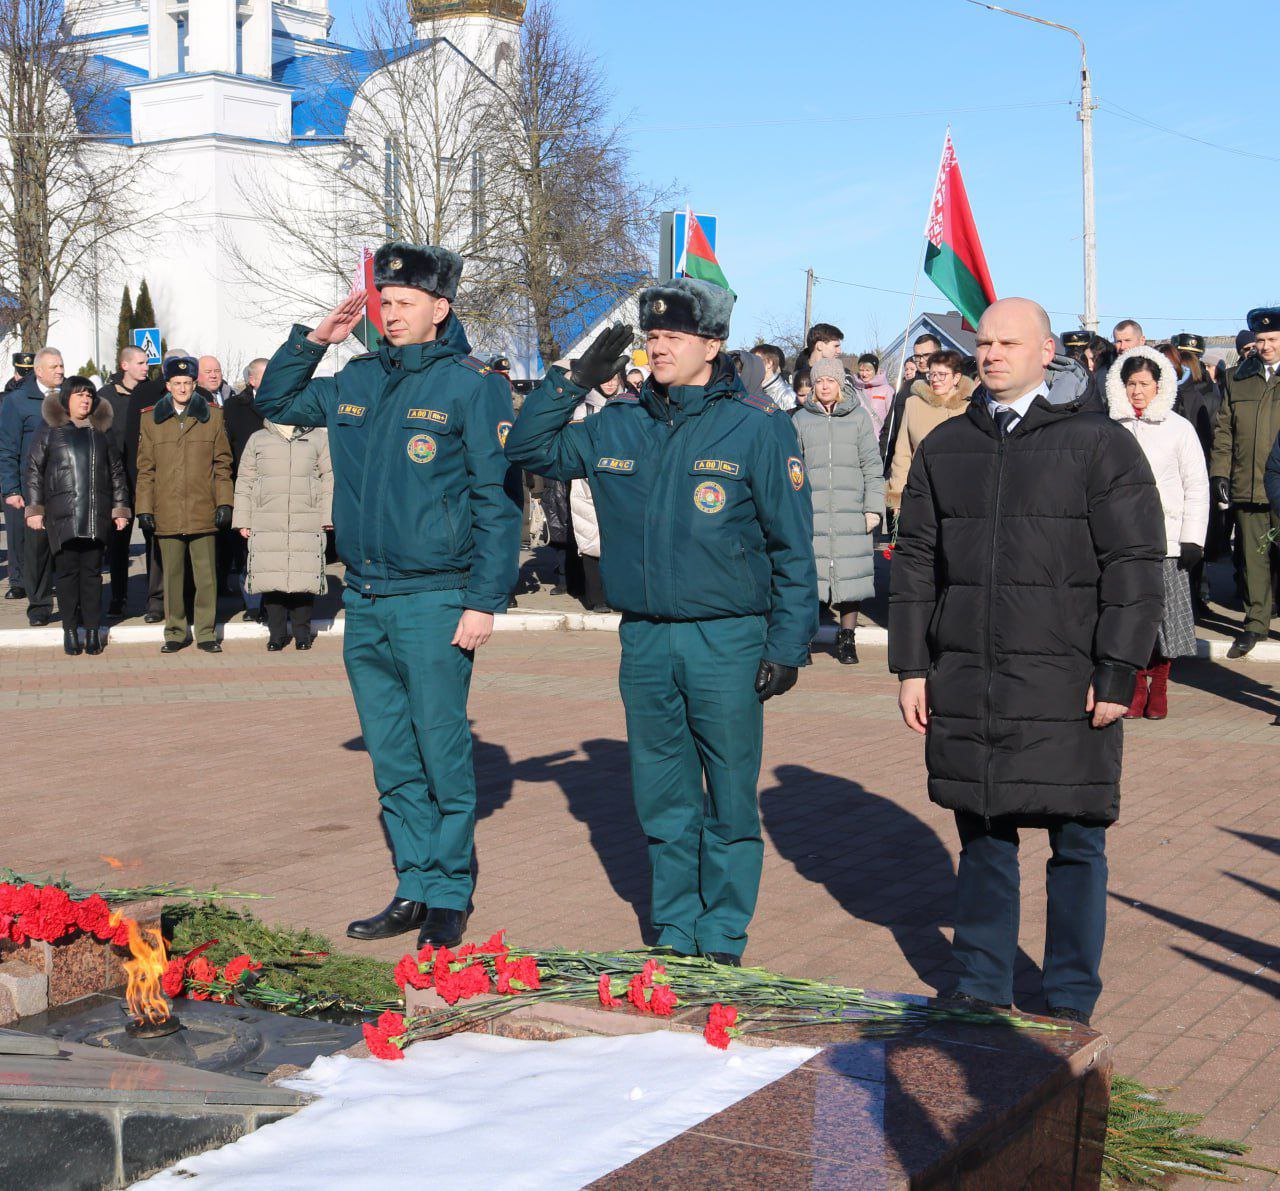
924,247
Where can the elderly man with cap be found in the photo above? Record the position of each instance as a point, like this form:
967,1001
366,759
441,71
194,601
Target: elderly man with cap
1246,430
428,527
184,496
706,530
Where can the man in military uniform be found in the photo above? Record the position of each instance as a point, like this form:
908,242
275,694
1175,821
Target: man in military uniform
428,528
1246,430
706,527
14,525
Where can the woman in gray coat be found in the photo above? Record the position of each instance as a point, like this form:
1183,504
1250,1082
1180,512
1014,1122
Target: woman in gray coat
842,457
284,498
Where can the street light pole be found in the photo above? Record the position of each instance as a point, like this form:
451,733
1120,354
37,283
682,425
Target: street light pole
1085,115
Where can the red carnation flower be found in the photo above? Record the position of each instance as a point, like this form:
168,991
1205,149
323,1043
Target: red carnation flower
720,1025
93,915
6,924
175,975
466,950
8,895
427,954
238,966
201,971
636,991
25,899
518,977
607,999
651,971
379,1037
52,917
409,972
662,1000
495,945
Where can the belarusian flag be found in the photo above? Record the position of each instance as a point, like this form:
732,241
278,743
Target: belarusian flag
954,260
698,260
369,329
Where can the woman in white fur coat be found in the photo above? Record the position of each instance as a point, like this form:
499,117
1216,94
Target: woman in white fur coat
1141,388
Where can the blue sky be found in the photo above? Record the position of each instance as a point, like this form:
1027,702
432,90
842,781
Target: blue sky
813,130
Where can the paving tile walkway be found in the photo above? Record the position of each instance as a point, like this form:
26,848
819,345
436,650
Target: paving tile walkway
246,770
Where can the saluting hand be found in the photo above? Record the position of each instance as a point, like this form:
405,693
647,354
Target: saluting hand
338,324
474,629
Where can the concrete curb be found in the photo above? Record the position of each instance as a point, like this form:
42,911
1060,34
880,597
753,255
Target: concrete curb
528,622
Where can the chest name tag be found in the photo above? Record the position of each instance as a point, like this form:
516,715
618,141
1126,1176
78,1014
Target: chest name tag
609,464
429,415
356,411
721,467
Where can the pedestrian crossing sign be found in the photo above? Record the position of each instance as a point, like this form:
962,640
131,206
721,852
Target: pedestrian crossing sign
148,338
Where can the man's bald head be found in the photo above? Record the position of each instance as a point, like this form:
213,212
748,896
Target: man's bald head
1015,345
209,376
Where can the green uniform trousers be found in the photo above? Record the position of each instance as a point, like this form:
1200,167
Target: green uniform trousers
693,714
1253,522
174,552
410,688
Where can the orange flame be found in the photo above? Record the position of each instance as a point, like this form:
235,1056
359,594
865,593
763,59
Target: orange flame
146,1001
114,863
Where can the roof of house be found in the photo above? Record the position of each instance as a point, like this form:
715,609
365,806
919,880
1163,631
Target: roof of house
949,328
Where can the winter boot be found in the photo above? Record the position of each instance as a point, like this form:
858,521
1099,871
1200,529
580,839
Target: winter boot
846,649
1139,704
1158,699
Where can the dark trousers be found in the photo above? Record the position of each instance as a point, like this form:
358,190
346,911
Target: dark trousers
1253,522
118,561
592,587
278,605
988,904
37,571
155,573
77,571
14,531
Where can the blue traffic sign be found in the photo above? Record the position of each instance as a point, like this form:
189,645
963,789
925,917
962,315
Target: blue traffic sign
148,338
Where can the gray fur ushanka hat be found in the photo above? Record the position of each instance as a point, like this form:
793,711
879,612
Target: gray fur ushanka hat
687,305
418,266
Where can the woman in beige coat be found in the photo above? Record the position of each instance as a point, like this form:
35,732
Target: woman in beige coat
945,394
284,498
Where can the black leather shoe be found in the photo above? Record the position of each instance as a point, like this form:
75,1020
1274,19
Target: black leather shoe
723,958
846,648
1243,644
400,916
71,642
303,642
208,647
443,928
173,646
92,641
39,619
16,593
1072,1015
152,617
275,646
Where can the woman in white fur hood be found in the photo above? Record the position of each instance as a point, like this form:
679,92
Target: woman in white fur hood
1141,387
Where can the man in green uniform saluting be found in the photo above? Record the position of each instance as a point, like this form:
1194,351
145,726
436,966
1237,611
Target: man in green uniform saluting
428,527
706,548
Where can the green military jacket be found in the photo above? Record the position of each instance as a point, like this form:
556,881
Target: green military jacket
702,498
1246,430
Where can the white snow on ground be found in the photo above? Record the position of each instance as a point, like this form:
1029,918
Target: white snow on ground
475,1111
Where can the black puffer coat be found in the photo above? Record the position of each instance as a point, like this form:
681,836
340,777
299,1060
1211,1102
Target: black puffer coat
1199,401
1025,570
74,477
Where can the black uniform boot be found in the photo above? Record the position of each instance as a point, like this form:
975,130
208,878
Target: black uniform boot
92,641
846,649
401,916
71,641
443,928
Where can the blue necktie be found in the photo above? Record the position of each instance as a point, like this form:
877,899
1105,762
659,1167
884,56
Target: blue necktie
1005,419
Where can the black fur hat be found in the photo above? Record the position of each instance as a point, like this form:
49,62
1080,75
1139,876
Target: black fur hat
181,366
418,266
688,305
1265,318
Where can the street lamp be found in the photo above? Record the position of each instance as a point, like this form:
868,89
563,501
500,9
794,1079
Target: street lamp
1086,131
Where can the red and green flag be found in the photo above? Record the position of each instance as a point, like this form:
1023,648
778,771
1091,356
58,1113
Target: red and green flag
698,260
369,329
954,260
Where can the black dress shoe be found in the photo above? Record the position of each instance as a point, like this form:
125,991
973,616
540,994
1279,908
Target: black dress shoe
92,641
173,646
16,593
400,916
723,958
39,619
1243,644
1072,1015
208,647
152,617
303,642
71,642
275,646
443,928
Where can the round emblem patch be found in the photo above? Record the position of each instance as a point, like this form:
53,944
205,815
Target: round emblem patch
795,469
504,428
709,497
421,448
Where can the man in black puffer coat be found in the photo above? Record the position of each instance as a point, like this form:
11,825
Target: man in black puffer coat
1026,593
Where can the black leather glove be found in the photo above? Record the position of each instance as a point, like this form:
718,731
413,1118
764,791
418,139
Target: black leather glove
774,679
148,522
1190,557
603,358
1221,491
222,517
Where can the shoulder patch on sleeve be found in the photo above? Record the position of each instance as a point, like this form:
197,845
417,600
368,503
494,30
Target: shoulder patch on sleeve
475,365
763,404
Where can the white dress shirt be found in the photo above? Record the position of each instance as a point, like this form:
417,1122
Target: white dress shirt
1020,406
